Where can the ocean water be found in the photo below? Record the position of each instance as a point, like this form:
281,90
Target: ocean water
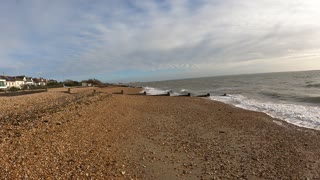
291,96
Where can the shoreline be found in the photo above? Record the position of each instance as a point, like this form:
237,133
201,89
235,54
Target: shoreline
105,135
289,112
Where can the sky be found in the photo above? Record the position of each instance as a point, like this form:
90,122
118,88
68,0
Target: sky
148,40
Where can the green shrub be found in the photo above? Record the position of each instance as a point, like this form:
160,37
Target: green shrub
14,89
95,82
71,83
30,87
54,84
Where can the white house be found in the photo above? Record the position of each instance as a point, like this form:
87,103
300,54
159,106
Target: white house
20,81
3,83
43,82
39,81
85,83
10,81
28,81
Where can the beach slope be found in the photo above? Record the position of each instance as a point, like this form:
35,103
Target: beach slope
103,135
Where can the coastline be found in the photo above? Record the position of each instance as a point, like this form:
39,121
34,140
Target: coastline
99,135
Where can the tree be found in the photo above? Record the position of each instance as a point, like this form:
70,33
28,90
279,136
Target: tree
69,82
54,84
94,82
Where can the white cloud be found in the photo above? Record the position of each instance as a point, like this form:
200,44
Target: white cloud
76,38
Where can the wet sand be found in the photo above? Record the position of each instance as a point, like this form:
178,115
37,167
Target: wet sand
102,136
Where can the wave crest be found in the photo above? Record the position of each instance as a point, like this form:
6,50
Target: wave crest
300,115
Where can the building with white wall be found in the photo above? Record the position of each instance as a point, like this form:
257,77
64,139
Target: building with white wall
3,83
20,81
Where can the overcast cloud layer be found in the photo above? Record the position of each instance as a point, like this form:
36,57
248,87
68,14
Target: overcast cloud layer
135,40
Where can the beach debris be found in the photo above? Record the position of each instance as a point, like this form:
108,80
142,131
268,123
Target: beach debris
144,93
204,95
182,95
166,94
121,92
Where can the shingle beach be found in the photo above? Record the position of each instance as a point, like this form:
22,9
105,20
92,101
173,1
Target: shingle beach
87,135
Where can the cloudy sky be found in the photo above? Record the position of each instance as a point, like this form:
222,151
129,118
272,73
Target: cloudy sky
144,40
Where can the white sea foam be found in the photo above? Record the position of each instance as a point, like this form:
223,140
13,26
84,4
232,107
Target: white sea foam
303,116
300,115
174,94
154,91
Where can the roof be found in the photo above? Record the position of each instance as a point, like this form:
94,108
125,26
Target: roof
19,78
8,78
29,79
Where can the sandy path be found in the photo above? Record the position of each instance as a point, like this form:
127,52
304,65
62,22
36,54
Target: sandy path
103,136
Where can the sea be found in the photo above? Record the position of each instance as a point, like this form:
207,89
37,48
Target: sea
290,96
